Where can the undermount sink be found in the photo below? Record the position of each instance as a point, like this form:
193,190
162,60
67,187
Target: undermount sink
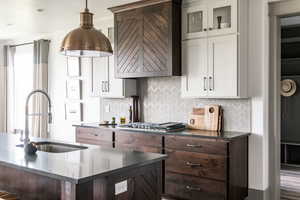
53,147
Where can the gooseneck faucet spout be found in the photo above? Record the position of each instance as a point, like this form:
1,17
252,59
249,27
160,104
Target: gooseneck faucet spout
27,140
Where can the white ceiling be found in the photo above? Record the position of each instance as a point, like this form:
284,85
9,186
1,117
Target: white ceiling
20,18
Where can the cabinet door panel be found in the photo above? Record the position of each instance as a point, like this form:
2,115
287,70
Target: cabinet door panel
227,9
194,68
194,22
100,80
222,66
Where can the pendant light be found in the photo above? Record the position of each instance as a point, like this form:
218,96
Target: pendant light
86,41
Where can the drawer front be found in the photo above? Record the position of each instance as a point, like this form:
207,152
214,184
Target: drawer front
197,164
209,146
139,148
138,139
194,188
94,136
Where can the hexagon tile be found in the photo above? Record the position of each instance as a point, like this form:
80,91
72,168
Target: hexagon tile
161,102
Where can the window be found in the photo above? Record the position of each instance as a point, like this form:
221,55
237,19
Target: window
21,84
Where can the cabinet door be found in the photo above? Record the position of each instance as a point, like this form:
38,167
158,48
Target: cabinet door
194,22
222,66
222,17
194,67
128,44
99,73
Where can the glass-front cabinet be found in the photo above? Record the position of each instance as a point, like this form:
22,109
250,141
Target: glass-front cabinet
194,22
209,18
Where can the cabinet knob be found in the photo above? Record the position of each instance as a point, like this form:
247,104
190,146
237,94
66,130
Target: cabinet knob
210,29
205,29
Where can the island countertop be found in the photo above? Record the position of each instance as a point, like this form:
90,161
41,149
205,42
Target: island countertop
77,166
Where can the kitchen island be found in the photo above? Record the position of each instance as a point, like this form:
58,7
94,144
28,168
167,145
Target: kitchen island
95,173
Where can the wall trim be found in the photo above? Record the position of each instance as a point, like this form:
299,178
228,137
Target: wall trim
258,194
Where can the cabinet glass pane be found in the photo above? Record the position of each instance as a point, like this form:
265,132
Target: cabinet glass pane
195,22
222,17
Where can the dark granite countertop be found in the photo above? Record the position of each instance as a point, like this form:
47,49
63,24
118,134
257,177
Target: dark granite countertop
225,135
76,167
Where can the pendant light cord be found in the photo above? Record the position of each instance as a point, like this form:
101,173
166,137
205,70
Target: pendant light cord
86,4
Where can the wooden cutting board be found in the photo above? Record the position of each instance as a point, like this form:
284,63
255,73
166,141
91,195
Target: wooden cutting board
207,118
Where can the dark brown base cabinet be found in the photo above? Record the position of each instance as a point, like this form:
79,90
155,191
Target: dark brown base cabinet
197,168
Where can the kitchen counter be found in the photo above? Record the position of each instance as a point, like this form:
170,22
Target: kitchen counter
225,135
77,166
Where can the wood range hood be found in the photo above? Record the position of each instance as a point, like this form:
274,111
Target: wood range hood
147,39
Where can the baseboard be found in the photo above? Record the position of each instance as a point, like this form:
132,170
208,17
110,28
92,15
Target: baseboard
257,195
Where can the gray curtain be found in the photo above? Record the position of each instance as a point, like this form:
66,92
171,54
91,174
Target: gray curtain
7,76
3,89
40,78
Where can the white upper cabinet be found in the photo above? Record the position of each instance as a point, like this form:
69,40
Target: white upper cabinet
194,21
222,66
194,79
214,62
209,18
103,83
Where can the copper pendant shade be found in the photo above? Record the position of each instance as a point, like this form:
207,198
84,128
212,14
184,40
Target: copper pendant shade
86,41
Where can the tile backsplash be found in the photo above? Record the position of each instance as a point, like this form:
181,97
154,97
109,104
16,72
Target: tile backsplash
161,102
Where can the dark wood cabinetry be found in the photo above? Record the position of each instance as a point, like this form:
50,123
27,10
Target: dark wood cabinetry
140,142
196,168
95,136
208,168
148,39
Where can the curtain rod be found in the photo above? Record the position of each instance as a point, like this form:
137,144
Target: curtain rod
17,45
23,44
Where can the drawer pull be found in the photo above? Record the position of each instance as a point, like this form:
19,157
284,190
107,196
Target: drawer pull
192,188
194,146
193,164
94,134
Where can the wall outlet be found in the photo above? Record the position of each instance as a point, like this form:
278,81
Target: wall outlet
107,108
121,187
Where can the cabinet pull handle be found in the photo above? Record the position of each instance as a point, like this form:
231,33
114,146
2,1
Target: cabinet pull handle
107,86
93,134
192,188
204,83
193,164
102,86
194,146
211,84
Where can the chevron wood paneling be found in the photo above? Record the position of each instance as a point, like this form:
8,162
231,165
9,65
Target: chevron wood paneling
129,46
155,40
148,40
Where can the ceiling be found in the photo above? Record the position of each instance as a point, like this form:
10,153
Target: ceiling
21,18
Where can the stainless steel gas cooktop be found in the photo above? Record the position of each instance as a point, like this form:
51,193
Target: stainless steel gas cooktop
153,127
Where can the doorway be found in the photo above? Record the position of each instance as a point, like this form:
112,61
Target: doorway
290,107
283,161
